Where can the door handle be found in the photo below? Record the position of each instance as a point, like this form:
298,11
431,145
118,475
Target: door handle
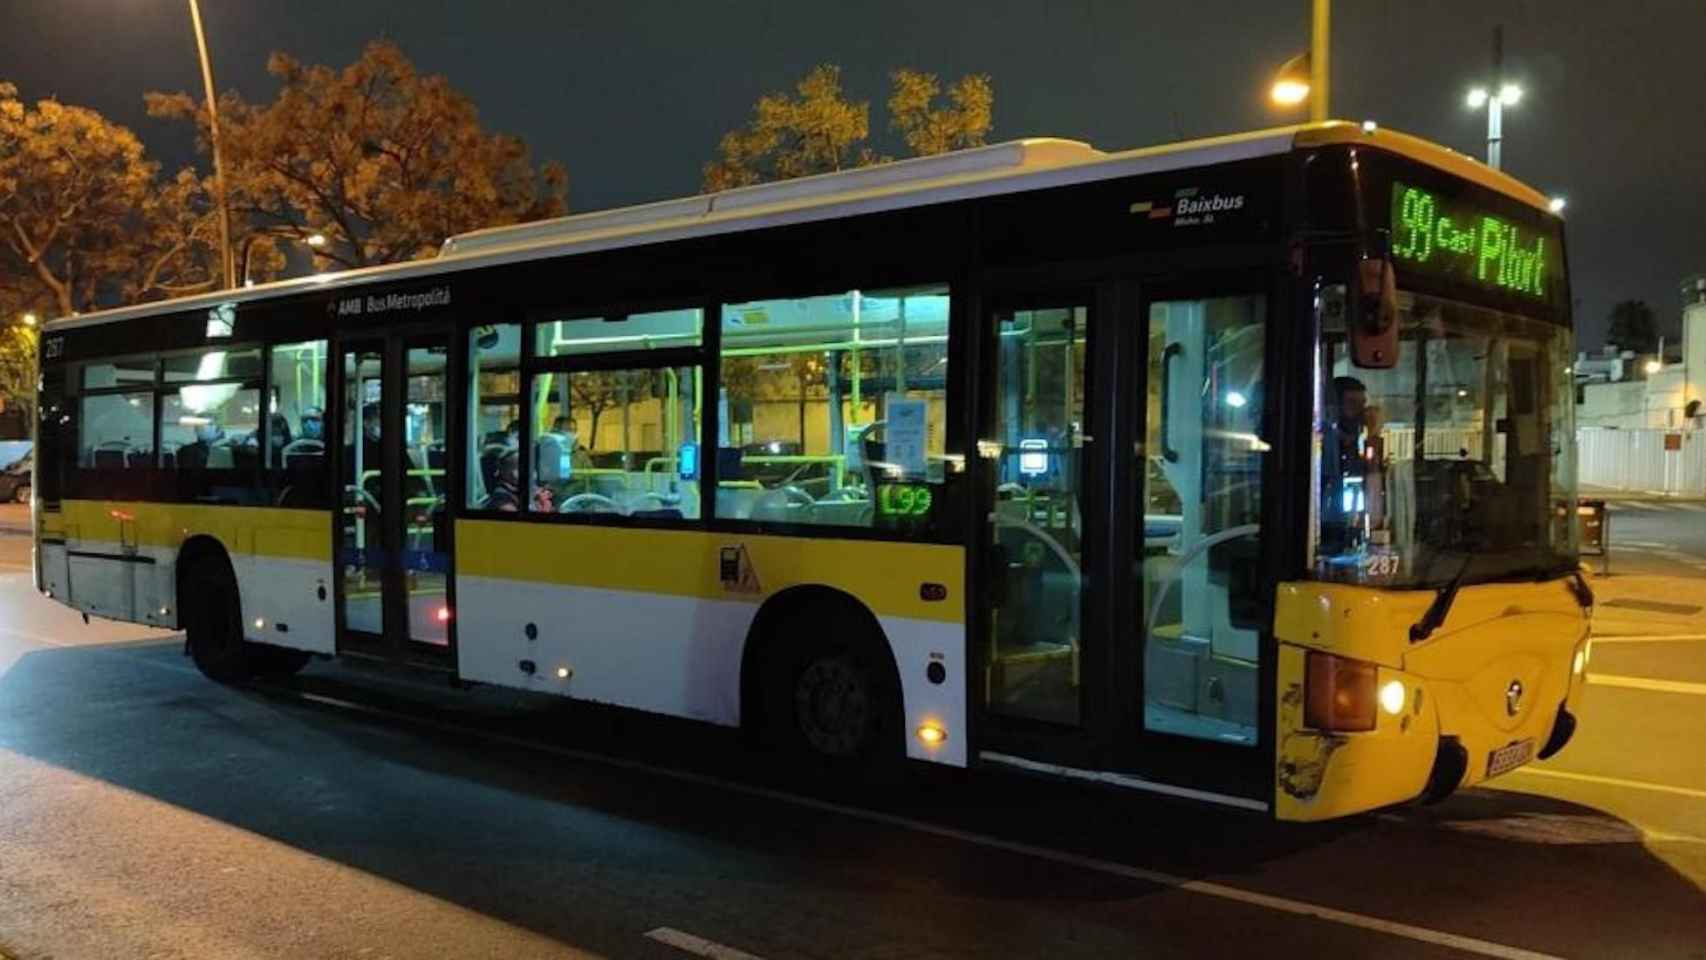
1169,352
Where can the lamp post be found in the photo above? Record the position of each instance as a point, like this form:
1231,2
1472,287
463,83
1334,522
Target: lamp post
1305,76
218,162
1495,99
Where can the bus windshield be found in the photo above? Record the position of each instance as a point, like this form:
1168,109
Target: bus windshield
1457,460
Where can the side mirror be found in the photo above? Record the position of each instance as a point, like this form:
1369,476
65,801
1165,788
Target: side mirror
1374,320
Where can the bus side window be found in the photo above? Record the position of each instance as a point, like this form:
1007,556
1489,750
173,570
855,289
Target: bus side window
493,413
294,426
838,407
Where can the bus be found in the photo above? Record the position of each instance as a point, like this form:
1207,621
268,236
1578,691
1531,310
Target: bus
1239,470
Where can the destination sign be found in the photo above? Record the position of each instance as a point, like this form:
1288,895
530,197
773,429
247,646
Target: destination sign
1461,242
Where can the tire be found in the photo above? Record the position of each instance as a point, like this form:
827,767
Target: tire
269,661
213,621
834,699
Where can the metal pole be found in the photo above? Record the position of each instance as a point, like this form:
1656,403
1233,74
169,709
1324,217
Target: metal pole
1319,44
218,161
1495,129
1496,100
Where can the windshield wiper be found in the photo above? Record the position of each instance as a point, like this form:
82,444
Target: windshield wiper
1437,611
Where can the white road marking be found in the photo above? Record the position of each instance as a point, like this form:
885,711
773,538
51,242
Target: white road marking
1474,945
1612,782
1648,683
1652,638
699,946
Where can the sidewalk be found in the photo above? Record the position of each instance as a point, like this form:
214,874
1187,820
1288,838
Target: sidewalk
1610,494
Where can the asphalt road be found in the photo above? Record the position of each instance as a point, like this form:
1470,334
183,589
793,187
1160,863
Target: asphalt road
145,812
1657,537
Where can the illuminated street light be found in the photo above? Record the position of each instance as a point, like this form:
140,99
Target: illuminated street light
316,240
29,319
1653,366
1291,86
1508,95
1304,77
1556,204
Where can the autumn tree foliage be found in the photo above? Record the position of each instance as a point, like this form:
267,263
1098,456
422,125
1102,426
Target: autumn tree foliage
929,127
84,219
382,161
819,130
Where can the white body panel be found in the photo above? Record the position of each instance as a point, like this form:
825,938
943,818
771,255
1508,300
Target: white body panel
273,590
670,654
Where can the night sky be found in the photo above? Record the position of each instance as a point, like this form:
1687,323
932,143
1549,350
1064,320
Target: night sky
632,94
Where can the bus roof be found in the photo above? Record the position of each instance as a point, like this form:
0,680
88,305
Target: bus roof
1010,167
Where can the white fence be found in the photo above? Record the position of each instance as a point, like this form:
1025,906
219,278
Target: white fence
1638,460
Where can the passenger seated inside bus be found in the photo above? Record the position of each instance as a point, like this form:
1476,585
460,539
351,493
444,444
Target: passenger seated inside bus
504,491
197,454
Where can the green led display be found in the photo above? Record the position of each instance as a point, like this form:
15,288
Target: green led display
904,499
1455,240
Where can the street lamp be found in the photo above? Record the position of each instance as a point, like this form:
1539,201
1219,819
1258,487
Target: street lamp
1305,76
29,319
218,161
1495,99
1556,204
1291,85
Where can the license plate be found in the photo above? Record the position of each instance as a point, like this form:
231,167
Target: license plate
1508,758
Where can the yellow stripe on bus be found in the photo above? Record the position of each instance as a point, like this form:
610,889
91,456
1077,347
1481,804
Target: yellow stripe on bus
892,578
246,531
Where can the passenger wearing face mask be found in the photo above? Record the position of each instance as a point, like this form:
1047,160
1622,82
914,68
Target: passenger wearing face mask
193,456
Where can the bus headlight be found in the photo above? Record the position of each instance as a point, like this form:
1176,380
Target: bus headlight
1392,697
1340,693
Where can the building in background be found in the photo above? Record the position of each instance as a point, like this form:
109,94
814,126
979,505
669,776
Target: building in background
1641,418
1657,391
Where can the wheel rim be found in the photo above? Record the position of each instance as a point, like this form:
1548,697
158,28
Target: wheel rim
832,701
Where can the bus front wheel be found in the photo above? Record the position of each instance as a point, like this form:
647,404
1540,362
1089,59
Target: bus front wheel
837,700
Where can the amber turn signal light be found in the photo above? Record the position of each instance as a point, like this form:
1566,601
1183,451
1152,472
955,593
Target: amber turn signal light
1340,693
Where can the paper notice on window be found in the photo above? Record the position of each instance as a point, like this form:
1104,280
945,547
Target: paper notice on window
903,436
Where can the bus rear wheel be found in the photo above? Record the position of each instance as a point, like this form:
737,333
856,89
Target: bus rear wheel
213,621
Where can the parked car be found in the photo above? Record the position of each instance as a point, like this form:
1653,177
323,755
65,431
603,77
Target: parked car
15,482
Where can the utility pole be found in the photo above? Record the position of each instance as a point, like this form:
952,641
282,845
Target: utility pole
1319,44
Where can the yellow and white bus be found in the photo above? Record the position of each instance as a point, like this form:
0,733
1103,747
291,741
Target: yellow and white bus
1239,470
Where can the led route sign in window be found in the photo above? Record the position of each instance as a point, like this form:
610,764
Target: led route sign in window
1457,241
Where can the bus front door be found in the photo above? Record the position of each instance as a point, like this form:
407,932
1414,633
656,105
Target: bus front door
393,522
1121,620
